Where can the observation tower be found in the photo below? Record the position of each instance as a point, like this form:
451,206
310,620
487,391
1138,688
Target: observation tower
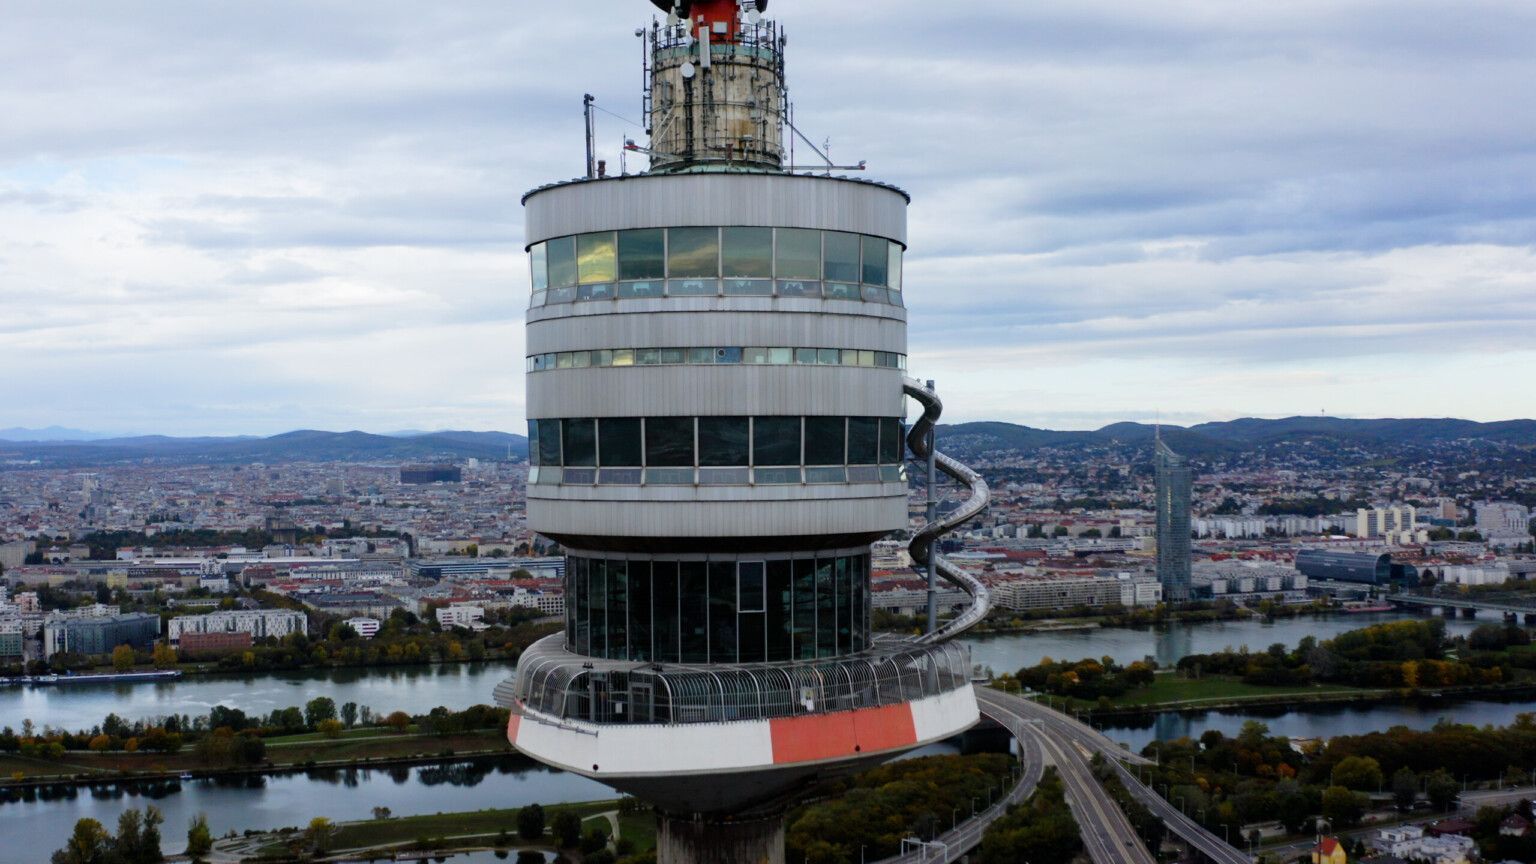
716,384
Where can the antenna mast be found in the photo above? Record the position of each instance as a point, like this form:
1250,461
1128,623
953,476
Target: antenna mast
591,124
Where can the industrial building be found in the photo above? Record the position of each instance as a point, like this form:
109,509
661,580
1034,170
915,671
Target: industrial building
1371,568
98,634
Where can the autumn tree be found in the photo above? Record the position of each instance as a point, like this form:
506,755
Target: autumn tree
164,656
122,658
398,721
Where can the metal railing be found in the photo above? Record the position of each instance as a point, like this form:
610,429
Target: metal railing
556,683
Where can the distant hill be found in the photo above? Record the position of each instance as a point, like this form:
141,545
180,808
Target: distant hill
1205,440
1234,436
52,433
299,446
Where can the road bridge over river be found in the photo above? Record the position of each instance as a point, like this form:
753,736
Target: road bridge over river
1044,734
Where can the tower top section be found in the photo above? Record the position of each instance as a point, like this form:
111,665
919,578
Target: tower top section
715,97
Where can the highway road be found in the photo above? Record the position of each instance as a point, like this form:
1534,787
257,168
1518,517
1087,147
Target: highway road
1076,731
1213,847
1107,834
953,845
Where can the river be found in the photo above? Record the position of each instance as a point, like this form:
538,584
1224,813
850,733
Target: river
414,689
37,825
292,799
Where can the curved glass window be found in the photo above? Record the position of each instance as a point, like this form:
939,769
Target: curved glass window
876,261
597,258
724,610
841,263
717,451
693,253
690,262
580,443
724,442
642,254
669,442
747,252
618,442
607,357
561,257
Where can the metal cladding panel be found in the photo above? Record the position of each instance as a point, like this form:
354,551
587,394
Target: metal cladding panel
595,309
607,751
707,391
673,519
717,328
665,201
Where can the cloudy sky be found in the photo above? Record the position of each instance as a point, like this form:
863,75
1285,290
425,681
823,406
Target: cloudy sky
250,217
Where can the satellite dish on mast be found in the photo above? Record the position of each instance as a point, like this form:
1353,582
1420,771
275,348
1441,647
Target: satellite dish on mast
687,70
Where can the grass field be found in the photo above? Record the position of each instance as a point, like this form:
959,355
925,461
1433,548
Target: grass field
354,835
281,752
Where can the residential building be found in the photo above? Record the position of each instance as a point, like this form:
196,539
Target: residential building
1329,851
459,616
260,623
364,626
215,642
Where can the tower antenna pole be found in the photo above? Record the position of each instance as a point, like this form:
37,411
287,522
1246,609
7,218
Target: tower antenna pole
933,514
591,123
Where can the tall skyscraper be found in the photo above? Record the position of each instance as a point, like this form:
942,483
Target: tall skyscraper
715,393
1173,493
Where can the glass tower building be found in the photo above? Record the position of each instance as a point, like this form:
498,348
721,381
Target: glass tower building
1174,480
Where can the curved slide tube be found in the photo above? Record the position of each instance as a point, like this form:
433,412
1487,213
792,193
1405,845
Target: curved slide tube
922,543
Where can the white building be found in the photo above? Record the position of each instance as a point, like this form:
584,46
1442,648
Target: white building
1504,522
1476,574
260,623
364,627
1390,523
1411,843
1124,590
459,616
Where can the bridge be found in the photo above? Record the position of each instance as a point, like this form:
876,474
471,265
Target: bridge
1044,734
1469,606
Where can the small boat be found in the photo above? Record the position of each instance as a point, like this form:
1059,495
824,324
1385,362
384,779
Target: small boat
185,775
1356,608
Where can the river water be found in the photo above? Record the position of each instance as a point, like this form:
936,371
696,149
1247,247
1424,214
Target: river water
43,823
414,689
35,826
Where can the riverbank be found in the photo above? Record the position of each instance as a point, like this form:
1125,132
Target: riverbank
492,830
1170,694
372,747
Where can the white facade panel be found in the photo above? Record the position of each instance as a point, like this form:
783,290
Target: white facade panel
703,391
666,201
718,326
723,519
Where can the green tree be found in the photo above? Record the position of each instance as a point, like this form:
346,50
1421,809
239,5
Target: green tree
567,827
530,822
349,714
199,838
1405,788
1361,773
319,709
1341,807
122,658
1441,789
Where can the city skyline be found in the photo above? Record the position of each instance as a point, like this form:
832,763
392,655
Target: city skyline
223,223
